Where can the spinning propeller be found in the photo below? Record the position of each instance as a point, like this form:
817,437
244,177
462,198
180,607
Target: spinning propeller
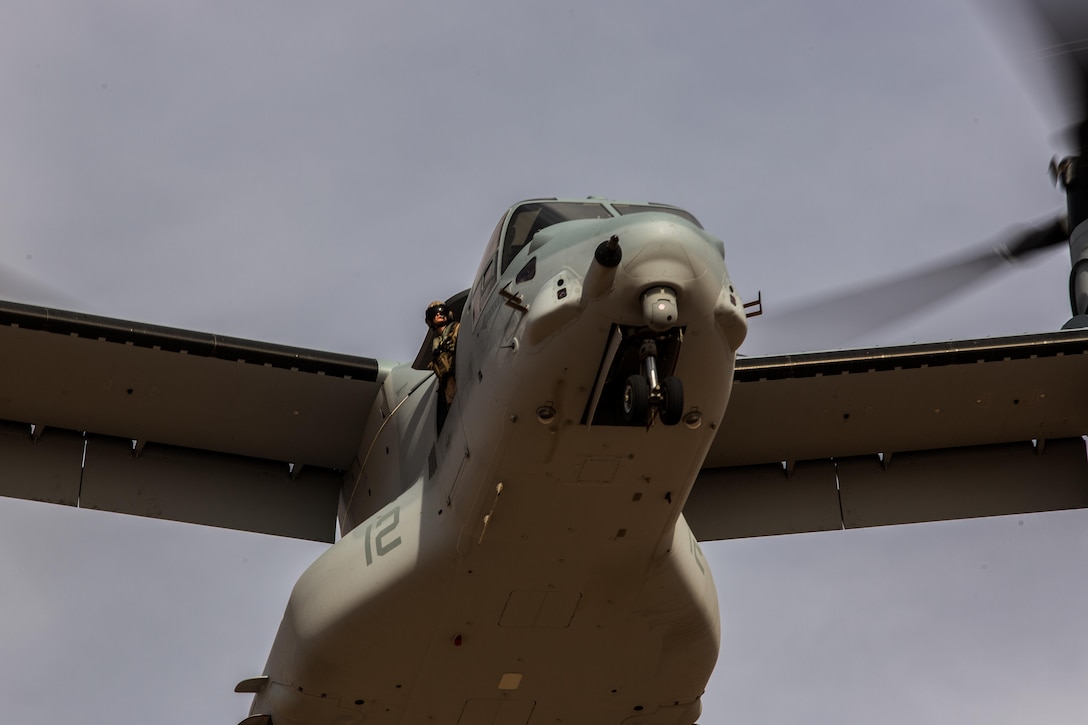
1062,34
1067,27
824,322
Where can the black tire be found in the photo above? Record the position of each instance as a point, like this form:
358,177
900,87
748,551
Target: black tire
672,400
636,400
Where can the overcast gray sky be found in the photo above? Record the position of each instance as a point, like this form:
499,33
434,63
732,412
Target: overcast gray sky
314,174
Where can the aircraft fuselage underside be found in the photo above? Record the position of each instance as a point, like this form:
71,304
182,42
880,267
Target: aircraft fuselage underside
528,563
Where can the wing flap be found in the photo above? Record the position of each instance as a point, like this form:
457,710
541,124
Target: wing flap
862,491
213,489
959,483
744,501
47,469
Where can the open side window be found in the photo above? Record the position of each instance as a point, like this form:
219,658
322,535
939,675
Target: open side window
457,305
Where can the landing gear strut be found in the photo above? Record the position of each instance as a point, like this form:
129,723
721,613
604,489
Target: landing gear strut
645,394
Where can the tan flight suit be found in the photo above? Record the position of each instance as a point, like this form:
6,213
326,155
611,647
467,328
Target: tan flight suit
444,360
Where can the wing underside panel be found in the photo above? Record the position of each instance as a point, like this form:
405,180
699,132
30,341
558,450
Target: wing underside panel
856,438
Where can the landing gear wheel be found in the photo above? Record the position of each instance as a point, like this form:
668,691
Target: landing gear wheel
672,400
636,400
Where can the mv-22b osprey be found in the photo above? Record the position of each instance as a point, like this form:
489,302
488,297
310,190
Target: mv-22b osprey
531,555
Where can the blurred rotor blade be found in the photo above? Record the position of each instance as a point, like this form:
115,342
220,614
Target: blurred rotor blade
1024,242
1048,40
832,321
16,286
1065,25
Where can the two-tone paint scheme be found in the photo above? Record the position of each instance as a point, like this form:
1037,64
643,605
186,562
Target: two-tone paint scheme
529,563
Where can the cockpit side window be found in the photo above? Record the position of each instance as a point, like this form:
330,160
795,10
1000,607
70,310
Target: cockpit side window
625,209
529,218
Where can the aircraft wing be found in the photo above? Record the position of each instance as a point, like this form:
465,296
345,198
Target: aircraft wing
173,424
193,427
857,438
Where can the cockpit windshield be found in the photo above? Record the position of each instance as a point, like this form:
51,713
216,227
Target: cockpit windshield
640,208
531,217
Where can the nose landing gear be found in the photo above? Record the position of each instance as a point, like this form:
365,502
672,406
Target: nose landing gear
646,394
